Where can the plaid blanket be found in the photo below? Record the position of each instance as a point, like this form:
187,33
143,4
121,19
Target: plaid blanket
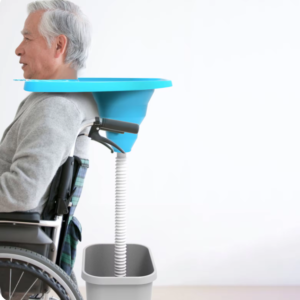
74,228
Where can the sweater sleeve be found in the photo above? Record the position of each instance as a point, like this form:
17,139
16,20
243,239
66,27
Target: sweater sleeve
45,139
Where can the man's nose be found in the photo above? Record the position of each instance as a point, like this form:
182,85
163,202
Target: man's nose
19,51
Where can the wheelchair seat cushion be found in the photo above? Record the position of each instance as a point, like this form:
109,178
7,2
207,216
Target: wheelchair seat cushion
21,216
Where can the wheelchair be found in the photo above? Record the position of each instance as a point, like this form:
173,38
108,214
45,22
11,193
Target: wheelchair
37,252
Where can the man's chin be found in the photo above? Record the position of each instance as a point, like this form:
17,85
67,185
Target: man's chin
27,76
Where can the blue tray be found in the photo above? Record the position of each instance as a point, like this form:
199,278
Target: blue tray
94,84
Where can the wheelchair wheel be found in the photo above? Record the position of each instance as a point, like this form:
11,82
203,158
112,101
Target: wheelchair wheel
24,273
73,277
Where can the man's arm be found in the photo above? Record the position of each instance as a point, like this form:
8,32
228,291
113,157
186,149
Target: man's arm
45,138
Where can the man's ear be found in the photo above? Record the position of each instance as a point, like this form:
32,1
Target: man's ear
61,45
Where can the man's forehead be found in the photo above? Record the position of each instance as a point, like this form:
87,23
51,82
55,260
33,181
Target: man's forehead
32,22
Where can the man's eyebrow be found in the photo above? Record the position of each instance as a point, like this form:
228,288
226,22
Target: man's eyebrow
25,32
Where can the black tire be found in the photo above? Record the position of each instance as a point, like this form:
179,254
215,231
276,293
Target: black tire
34,264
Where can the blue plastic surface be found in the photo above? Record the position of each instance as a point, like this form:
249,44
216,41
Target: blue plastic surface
94,84
128,106
124,99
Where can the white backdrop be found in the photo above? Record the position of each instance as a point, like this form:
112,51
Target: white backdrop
213,180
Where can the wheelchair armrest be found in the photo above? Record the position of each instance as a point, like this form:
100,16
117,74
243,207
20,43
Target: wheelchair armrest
33,217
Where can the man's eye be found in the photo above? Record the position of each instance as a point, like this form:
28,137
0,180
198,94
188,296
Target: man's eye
27,39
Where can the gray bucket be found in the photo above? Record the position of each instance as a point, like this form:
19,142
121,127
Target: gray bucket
98,272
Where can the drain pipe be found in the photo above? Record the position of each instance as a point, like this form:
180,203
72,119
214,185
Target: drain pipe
120,216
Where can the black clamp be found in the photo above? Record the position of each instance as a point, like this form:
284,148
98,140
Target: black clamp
95,136
63,204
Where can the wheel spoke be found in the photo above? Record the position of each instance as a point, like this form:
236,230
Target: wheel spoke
16,285
30,288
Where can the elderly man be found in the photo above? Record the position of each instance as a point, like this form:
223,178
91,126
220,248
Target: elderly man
39,140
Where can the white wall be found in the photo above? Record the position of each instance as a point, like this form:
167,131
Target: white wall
213,180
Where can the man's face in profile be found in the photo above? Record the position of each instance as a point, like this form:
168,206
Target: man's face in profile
39,61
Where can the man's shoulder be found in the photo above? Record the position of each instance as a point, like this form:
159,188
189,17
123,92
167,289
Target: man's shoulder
83,102
55,102
71,97
50,98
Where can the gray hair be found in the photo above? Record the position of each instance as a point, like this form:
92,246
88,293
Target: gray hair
65,17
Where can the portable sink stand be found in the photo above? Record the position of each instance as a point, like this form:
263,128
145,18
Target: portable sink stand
117,271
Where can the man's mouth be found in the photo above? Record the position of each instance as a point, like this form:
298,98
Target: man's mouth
24,65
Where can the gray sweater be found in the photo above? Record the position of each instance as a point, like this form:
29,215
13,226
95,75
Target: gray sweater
37,143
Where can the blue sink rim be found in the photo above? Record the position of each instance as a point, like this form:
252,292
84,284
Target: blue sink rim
94,84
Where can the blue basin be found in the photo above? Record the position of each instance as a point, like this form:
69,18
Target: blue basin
124,99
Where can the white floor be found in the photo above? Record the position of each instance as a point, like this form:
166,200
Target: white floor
222,293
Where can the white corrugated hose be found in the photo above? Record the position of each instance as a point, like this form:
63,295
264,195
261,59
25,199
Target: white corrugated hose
120,216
